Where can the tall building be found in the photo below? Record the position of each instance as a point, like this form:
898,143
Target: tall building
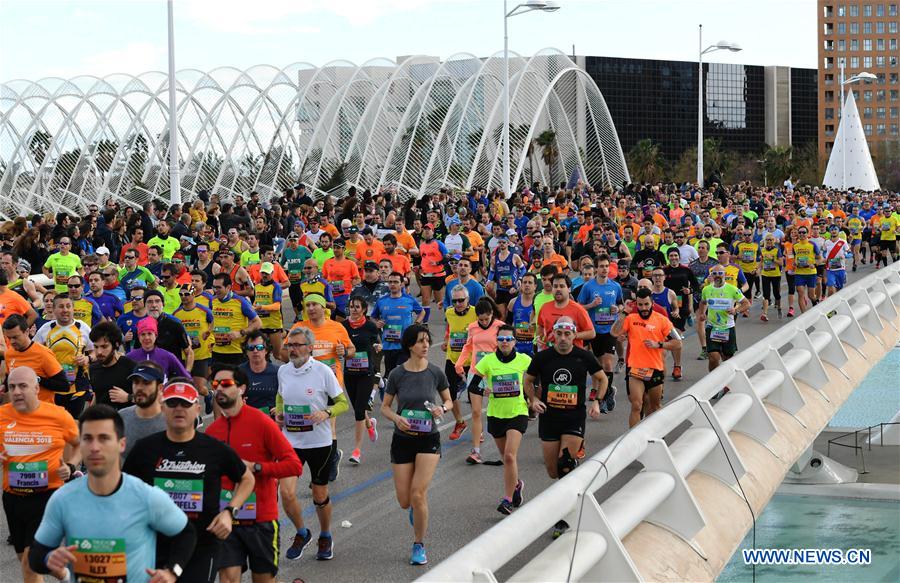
861,36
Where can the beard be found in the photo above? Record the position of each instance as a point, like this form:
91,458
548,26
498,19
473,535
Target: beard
225,401
645,314
145,402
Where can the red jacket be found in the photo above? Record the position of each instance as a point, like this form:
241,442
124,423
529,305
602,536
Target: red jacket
256,438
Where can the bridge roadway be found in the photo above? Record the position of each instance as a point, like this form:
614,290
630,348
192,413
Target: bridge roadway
462,498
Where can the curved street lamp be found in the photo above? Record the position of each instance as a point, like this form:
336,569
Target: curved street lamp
722,45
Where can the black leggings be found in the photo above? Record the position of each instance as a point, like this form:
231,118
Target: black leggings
752,282
359,389
792,289
771,285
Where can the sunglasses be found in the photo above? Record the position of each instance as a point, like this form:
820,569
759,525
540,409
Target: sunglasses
224,383
175,403
137,298
506,338
109,275
185,294
74,285
130,257
717,273
459,300
256,347
177,261
64,243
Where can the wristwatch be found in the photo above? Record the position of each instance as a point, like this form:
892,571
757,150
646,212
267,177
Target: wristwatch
257,468
231,510
659,345
176,570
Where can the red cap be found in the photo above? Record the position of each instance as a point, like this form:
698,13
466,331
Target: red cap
180,390
428,226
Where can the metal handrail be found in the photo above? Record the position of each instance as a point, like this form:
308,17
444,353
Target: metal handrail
795,350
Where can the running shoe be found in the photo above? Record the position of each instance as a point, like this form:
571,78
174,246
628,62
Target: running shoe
336,466
418,555
790,313
373,429
703,355
579,455
355,456
610,398
764,317
474,458
505,507
326,549
854,268
778,311
559,528
518,494
620,364
676,373
295,551
458,430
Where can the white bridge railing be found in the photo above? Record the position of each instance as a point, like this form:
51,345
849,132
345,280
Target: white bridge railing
763,372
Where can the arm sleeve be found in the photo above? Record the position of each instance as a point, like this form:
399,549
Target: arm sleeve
341,404
246,309
58,383
181,546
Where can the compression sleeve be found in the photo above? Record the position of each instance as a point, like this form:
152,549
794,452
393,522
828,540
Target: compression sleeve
181,546
37,557
341,404
58,383
473,384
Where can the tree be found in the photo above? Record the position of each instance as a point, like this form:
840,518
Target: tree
549,151
886,158
645,163
104,154
778,163
715,159
685,170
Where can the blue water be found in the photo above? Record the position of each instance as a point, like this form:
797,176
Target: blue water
877,399
804,522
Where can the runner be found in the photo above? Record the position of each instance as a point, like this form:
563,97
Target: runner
110,369
562,305
432,272
806,255
61,265
670,302
189,467
416,386
197,321
562,370
106,546
836,251
40,452
233,318
359,374
507,411
505,272
148,350
771,262
254,540
648,333
603,298
459,318
342,274
720,302
146,416
268,307
521,313
261,374
393,314
306,390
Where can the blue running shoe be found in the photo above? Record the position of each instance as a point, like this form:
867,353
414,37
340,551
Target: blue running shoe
326,549
295,551
418,555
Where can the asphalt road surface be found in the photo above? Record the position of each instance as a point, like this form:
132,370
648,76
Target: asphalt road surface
462,498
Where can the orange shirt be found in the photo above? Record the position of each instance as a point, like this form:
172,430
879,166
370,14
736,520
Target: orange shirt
34,444
400,263
656,328
405,241
549,314
331,230
12,303
328,336
340,274
278,274
40,359
558,260
475,240
366,252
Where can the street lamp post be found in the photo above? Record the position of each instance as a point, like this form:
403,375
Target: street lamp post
174,169
863,76
719,46
528,6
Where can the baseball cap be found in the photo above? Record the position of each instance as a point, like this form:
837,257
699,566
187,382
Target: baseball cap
180,390
428,226
511,232
370,265
147,371
293,237
346,223
339,242
353,229
102,251
267,267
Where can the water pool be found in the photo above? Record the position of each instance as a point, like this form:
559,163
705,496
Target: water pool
803,522
876,400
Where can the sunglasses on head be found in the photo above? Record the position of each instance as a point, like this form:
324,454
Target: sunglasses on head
224,383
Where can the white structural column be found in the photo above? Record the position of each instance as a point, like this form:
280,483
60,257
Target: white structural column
174,167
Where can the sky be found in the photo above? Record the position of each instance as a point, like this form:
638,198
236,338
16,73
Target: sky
43,38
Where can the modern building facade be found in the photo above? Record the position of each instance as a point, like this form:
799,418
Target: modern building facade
747,107
859,35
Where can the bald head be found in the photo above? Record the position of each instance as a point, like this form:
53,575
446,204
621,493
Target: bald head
22,384
645,283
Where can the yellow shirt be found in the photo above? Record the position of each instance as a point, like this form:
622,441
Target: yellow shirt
268,296
746,254
232,315
458,331
769,267
197,323
804,258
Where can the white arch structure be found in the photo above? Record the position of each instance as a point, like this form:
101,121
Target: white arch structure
415,125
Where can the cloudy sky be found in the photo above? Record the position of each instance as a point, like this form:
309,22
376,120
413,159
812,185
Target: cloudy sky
41,38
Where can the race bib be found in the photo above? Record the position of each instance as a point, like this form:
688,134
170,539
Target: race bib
296,418
246,514
525,331
835,263
392,333
337,286
802,261
419,421
458,340
186,494
645,374
359,362
505,385
562,396
28,477
99,559
604,316
769,265
885,226
71,372
506,281
748,256
221,334
720,334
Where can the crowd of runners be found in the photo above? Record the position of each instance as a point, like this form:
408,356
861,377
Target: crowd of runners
172,374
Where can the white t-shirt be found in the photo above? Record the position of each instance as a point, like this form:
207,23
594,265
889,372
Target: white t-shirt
304,391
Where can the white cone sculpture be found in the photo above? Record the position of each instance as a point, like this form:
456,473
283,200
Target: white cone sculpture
852,168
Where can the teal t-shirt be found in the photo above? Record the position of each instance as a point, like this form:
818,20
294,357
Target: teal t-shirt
292,261
718,300
507,397
115,533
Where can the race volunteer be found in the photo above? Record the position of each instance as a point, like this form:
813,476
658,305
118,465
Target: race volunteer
189,466
233,318
118,542
648,333
305,389
563,370
507,411
40,451
254,540
719,303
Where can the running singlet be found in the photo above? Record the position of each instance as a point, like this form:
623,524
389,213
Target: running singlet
505,272
661,299
769,266
610,294
523,323
197,323
506,399
33,444
267,295
398,314
458,331
433,253
805,258
62,266
231,315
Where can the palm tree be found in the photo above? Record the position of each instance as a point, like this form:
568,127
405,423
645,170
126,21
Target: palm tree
778,162
645,162
549,151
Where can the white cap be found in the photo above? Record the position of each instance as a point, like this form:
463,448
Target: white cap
346,223
102,251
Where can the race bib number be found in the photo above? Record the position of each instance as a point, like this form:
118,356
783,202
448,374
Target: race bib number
604,316
506,281
505,385
221,334
419,421
246,514
28,476
748,256
392,333
71,372
99,559
458,340
885,226
525,331
562,396
645,374
186,494
359,362
62,275
720,334
296,418
337,286
802,261
835,263
769,265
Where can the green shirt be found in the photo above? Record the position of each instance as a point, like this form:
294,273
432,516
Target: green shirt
507,398
249,258
169,245
171,299
292,261
718,301
62,267
321,256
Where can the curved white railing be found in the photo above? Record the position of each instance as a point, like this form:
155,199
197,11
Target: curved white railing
765,371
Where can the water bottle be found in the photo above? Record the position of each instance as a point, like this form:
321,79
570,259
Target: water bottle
430,406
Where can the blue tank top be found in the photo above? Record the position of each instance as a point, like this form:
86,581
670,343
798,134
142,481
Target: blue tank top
662,299
524,327
505,273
